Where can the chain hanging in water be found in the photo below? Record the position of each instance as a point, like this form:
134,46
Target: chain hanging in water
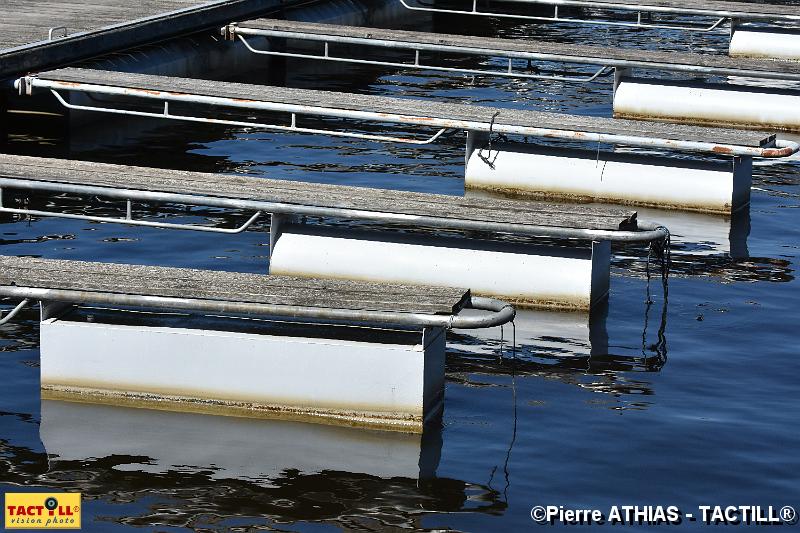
500,137
662,251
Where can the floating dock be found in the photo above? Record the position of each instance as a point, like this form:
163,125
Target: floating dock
362,371
548,274
709,103
349,326
495,166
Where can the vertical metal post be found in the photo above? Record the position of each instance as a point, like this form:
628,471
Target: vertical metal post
598,331
600,273
742,182
619,74
475,141
734,24
53,309
3,120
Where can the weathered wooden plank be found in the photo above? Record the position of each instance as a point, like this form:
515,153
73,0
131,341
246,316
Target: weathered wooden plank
416,108
103,26
603,54
318,195
22,15
227,286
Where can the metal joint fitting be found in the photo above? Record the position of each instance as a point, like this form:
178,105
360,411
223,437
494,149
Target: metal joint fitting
25,85
229,31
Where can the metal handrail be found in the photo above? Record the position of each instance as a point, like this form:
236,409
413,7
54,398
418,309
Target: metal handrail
652,8
508,73
606,63
556,18
496,312
132,222
11,314
275,127
782,148
647,232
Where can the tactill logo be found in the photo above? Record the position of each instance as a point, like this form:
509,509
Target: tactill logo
32,510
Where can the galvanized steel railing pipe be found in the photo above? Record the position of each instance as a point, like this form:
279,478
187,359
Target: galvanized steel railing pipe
722,15
646,232
11,314
782,148
610,61
496,312
654,8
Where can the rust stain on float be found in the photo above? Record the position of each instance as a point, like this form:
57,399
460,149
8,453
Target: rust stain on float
524,302
541,194
397,422
709,122
542,304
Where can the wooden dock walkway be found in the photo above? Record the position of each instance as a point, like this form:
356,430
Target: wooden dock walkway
513,48
415,112
356,202
89,28
383,229
722,10
100,281
331,351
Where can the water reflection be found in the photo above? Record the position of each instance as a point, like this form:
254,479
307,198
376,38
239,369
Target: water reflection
231,447
566,345
191,467
700,234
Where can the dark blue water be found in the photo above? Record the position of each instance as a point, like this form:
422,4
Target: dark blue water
707,416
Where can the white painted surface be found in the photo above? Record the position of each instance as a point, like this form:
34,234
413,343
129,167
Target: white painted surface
763,108
606,177
226,447
765,45
318,375
561,276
